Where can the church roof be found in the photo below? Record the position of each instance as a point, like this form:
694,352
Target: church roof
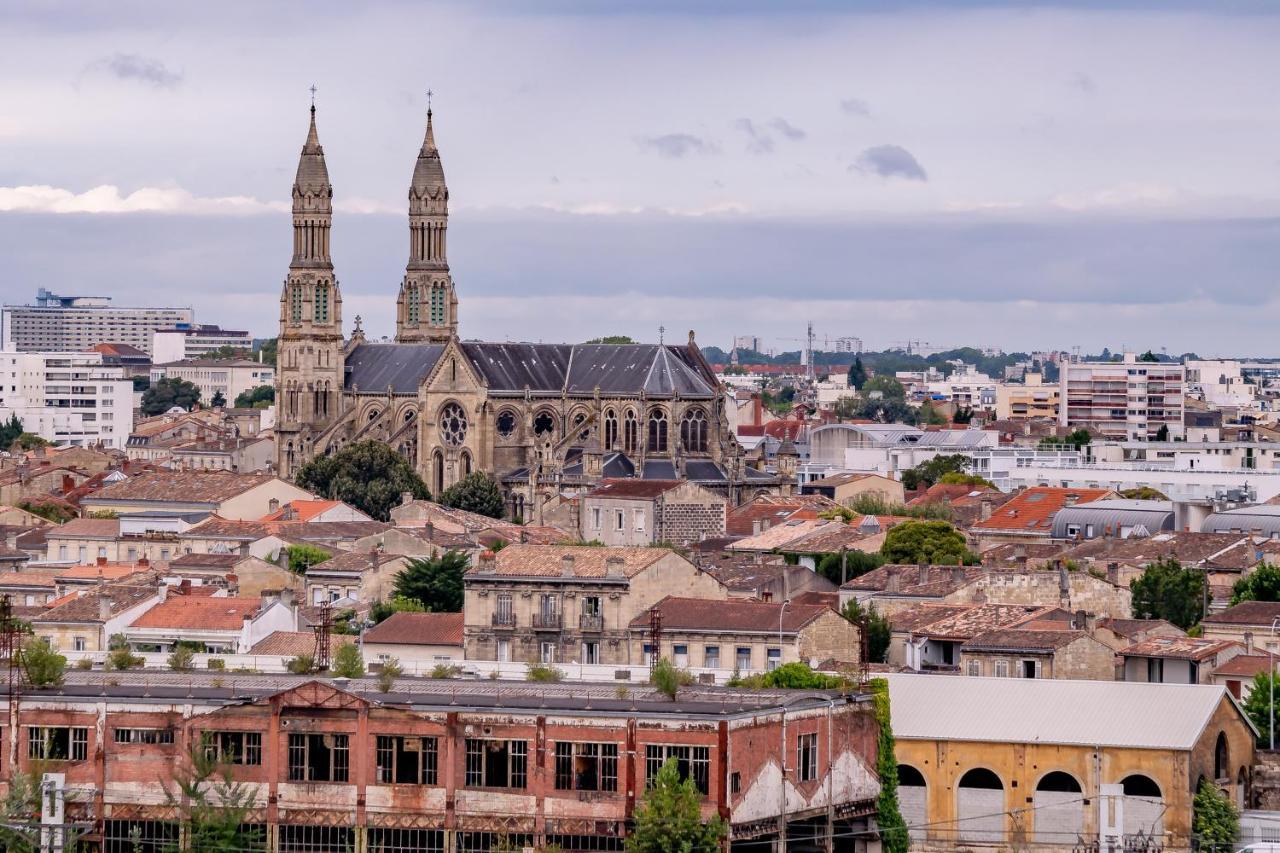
372,367
428,172
515,367
312,173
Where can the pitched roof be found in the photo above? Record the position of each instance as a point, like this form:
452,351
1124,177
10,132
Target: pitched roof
94,528
354,561
968,621
740,520
295,643
1180,648
44,580
791,531
1022,639
828,539
184,486
550,561
1246,666
301,510
698,614
418,629
1031,512
846,478
925,581
200,613
1246,613
633,489
206,561
84,606
1134,627
107,571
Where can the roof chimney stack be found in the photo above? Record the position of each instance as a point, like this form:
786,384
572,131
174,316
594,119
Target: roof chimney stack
566,565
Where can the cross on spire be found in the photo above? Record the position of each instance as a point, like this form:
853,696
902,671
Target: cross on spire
313,94
662,331
429,94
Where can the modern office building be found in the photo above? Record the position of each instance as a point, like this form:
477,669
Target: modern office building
188,340
67,397
68,323
1127,400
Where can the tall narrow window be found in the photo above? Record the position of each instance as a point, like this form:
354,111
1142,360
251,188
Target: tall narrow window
693,431
321,313
610,429
630,433
295,303
411,297
657,431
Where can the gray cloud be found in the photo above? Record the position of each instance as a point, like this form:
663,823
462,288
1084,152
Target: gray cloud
141,69
758,140
890,161
855,107
787,129
1083,82
677,145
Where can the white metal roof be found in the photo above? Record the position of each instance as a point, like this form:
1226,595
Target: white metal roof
1052,711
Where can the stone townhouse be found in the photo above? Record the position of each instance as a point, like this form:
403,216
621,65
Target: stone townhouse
1030,652
85,620
227,494
356,576
333,770
564,603
642,512
1177,660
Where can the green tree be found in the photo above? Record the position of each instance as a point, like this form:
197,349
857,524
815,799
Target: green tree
477,492
256,398
935,542
1168,591
369,475
929,415
928,473
379,611
435,583
219,400
669,819
302,556
611,339
888,386
141,383
122,658
227,351
269,348
669,678
1143,493
167,393
838,568
1258,706
391,670
1214,819
954,478
182,658
212,807
886,410
300,665
1162,434
893,829
10,431
875,627
1262,584
857,374
347,661
1075,439
44,666
1149,356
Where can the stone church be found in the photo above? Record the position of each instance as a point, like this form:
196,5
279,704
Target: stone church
544,419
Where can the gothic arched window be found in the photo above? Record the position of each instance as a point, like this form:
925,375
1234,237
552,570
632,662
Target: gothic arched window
437,473
453,425
610,429
544,424
506,423
320,314
630,433
578,420
295,303
693,431
411,298
466,464
657,431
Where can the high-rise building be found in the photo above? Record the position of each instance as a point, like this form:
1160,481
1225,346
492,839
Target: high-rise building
71,323
67,397
747,342
849,344
1128,400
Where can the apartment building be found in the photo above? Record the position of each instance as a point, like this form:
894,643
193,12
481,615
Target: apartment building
61,323
1124,400
333,770
642,512
186,341
1031,398
229,377
67,397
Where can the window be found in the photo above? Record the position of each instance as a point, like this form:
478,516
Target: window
630,433
735,782
620,520
79,644
407,760
680,653
692,762
975,667
595,518
743,658
82,554
591,652
807,757
157,736
102,551
132,554
233,747
57,743
586,766
544,424
504,614
711,657
504,651
497,763
610,429
1002,669
693,431
1031,669
657,431
412,308
638,518
506,424
774,659
547,653
62,552
318,758
453,425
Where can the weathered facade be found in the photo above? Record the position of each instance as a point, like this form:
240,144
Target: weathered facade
642,512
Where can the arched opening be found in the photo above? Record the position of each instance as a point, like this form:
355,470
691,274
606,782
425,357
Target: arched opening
693,431
1242,782
466,463
912,799
630,434
544,424
657,431
452,424
437,474
980,806
1143,805
578,420
610,429
506,423
1059,809
1221,759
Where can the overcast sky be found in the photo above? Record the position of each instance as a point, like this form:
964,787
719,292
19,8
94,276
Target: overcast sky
965,173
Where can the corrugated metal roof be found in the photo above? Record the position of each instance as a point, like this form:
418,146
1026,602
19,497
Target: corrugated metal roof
1264,518
1052,711
1118,515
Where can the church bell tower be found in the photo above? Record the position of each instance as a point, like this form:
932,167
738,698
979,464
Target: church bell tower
427,309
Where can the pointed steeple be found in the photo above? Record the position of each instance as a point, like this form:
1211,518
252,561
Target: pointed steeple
427,309
428,172
312,179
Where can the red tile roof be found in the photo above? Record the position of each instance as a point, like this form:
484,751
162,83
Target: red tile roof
295,643
418,629
199,613
1246,613
699,614
1181,648
632,488
1031,512
1246,666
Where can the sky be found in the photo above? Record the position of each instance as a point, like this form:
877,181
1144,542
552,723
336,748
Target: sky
1018,175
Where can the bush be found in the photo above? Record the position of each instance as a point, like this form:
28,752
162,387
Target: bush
215,663
182,659
544,673
445,670
122,659
476,492
303,556
347,662
668,678
84,663
300,665
1214,819
391,670
790,676
44,666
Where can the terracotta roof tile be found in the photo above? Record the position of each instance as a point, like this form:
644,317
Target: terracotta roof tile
190,486
1181,648
550,561
1246,613
418,629
295,643
199,613
697,614
1022,639
1246,666
927,581
632,488
84,606
354,561
969,621
1031,512
96,528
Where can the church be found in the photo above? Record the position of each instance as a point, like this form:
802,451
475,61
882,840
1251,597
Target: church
543,419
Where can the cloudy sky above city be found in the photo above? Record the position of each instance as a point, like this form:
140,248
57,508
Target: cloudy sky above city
964,173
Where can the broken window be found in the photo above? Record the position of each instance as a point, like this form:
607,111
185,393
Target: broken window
692,762
244,748
57,743
497,763
318,758
407,760
586,766
157,736
807,757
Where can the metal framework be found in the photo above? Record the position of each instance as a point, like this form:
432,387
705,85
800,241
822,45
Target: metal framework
322,656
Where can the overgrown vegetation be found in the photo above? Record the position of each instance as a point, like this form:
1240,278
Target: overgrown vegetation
1262,584
260,397
875,627
790,676
848,565
302,556
1168,591
928,473
934,542
182,658
120,656
1215,822
893,829
49,510
44,666
348,662
669,818
300,665
213,808
544,673
380,611
668,678
445,670
435,583
1258,706
391,670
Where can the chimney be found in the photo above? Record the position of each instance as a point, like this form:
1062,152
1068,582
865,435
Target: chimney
1070,500
615,567
892,582
233,584
270,597
957,575
566,566
105,603
286,597
1113,573
757,526
1080,620
102,561
1248,642
406,498
487,561
923,569
987,507
163,592
184,586
143,561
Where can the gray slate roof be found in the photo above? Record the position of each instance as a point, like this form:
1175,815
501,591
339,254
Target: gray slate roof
372,367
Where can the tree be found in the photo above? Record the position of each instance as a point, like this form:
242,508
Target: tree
1162,434
857,374
1149,356
300,665
141,383
391,670
435,583
268,349
838,568
928,473
302,556
1143,493
167,393
669,820
935,542
10,431
348,662
380,611
930,416
212,807
44,666
669,678
1258,706
219,400
954,478
477,492
182,658
256,398
876,628
888,386
1215,823
122,658
1262,584
369,475
893,829
611,339
887,410
1168,591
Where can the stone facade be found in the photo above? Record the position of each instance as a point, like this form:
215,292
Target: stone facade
624,512
1084,657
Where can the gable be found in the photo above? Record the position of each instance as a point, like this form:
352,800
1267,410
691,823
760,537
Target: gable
316,695
453,372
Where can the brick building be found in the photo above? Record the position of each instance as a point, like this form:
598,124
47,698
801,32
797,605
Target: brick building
641,512
332,770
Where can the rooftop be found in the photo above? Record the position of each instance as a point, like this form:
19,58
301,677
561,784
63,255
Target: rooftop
633,489
199,613
1249,613
964,622
734,615
296,643
418,629
181,487
583,561
1031,512
1022,639
1180,648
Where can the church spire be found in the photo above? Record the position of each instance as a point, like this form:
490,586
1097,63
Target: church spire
427,308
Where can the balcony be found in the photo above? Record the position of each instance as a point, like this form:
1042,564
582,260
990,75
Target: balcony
547,621
591,622
504,620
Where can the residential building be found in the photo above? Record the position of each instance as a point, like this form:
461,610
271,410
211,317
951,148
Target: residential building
929,637
848,344
85,619
244,573
751,343
316,511
75,323
133,361
1250,623
67,397
765,511
1220,383
1031,398
154,439
223,624
417,640
563,765
555,603
845,488
223,493
1058,651
1028,517
1128,400
643,512
266,539
292,644
127,538
227,378
744,636
1177,660
354,576
1043,763
29,588
1112,519
242,455
1238,674
186,341
751,576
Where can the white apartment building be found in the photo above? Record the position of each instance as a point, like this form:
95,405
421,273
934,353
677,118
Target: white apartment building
71,323
67,397
747,342
848,344
187,341
229,376
1220,383
1123,400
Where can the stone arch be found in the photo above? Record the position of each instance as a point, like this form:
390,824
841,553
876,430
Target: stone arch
1242,784
544,423
507,423
466,463
1059,808
437,473
1221,758
1143,805
913,799
453,423
980,806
